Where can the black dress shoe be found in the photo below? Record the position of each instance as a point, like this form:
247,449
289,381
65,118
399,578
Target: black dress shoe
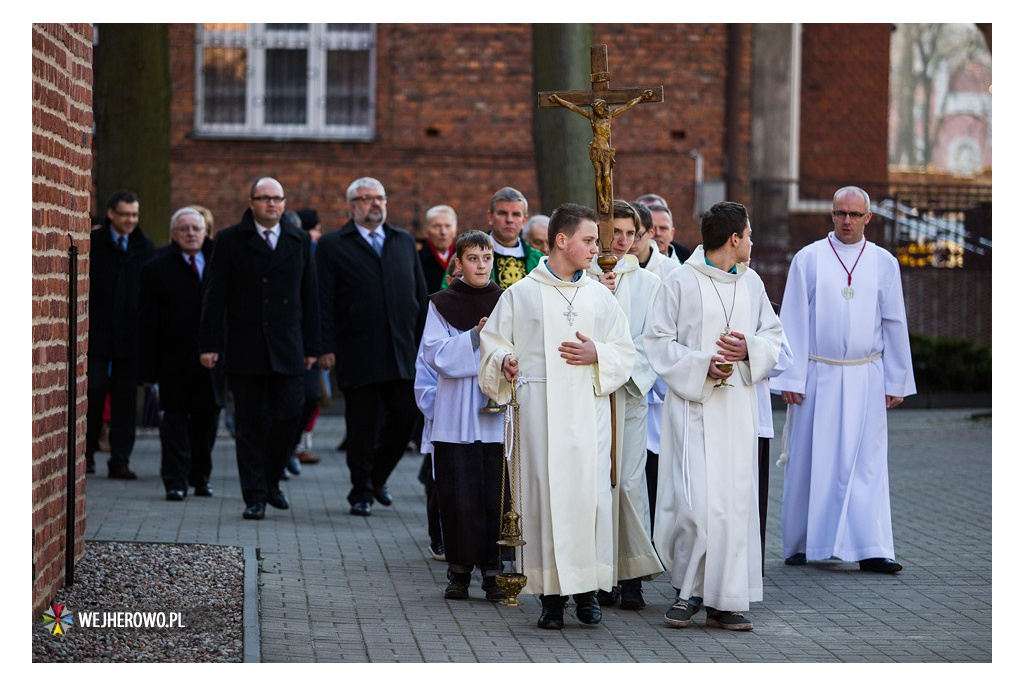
204,490
175,495
552,607
632,594
880,565
361,509
122,473
278,500
798,559
587,609
608,599
256,510
383,495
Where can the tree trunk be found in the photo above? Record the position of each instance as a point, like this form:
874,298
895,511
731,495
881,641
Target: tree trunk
131,105
561,61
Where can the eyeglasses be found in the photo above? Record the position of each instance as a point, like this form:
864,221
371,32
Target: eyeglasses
369,199
276,199
186,229
853,215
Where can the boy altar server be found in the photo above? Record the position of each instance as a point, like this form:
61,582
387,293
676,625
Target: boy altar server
467,444
562,338
712,311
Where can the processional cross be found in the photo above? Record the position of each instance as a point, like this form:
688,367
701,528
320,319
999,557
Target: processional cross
602,154
599,99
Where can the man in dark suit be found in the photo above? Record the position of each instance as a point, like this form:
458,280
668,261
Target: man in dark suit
373,302
117,251
190,394
260,310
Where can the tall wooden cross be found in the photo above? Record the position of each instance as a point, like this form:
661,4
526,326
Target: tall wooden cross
599,99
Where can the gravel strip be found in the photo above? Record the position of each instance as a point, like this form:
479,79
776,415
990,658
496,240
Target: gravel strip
199,585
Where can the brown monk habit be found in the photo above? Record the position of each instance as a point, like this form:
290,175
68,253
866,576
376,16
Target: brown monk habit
463,306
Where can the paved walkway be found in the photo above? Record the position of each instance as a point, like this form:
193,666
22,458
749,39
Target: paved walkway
338,588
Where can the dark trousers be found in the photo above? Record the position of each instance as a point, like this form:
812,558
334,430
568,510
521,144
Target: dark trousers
651,471
469,494
186,442
763,449
371,461
433,509
119,377
268,408
312,394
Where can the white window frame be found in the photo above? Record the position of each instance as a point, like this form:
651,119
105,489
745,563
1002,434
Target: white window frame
317,41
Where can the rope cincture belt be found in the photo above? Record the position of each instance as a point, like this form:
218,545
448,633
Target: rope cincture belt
844,362
784,456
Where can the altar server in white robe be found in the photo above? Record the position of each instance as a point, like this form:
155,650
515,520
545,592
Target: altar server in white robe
565,342
467,443
846,321
634,289
652,260
712,310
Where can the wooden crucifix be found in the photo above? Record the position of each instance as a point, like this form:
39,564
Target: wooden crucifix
602,154
599,99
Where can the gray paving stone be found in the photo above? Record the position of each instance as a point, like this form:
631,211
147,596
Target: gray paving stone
338,588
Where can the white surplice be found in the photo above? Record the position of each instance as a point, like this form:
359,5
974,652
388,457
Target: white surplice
661,266
635,289
457,418
836,492
425,392
565,431
706,525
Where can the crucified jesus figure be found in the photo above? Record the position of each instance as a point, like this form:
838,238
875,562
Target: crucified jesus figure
602,154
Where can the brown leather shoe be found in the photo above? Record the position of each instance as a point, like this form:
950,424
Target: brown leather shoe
308,458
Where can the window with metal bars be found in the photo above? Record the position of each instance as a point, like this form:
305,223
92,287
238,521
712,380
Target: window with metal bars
286,81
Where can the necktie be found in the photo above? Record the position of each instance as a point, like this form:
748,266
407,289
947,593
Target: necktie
192,263
122,243
378,242
267,236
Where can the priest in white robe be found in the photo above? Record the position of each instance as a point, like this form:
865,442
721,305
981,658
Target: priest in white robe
846,321
565,342
634,289
706,528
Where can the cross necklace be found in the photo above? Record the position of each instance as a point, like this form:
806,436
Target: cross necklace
728,316
570,313
848,292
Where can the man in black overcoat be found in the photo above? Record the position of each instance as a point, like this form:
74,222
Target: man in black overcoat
260,311
117,251
190,394
373,300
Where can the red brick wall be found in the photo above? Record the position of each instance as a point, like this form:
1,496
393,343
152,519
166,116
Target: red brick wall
61,182
844,103
471,85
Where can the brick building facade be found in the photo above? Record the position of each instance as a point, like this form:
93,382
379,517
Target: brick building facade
61,190
454,123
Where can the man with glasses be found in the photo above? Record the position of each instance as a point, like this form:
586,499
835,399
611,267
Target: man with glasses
260,310
373,306
844,316
117,251
664,231
190,394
